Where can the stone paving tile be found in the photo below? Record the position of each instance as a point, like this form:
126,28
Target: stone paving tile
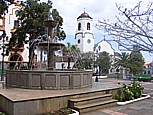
95,113
111,112
117,113
148,88
106,110
143,107
148,91
145,112
128,111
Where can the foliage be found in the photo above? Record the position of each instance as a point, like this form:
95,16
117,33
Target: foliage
23,67
133,27
135,63
31,17
4,6
121,60
71,50
87,60
104,61
74,52
129,92
60,34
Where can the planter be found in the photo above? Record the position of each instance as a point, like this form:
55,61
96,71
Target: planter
144,96
75,112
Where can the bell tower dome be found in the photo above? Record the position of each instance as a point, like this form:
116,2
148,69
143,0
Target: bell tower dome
84,36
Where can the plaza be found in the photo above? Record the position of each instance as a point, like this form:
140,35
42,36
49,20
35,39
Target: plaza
17,95
40,75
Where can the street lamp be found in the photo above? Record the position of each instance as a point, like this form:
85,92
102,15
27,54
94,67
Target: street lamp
3,47
96,67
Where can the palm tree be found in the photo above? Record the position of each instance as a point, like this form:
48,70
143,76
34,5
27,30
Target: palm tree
121,60
72,51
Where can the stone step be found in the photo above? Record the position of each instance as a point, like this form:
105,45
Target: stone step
94,106
86,100
89,94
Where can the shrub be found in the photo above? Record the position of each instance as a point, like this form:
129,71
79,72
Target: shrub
23,67
130,91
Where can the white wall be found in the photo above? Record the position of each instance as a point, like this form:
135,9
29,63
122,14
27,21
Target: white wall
58,65
105,46
10,17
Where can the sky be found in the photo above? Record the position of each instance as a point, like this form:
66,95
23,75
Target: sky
98,10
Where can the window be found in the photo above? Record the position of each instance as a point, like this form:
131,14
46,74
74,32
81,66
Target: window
79,41
88,26
16,12
79,26
16,23
99,47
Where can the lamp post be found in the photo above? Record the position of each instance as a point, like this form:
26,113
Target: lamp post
97,73
3,47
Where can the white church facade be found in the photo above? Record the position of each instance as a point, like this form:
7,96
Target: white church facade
84,36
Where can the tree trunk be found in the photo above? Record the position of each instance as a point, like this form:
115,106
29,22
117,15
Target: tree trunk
31,57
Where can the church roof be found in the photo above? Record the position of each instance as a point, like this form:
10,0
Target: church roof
84,15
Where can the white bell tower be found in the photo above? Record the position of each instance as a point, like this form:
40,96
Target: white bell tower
84,36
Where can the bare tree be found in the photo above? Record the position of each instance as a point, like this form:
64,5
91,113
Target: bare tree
133,28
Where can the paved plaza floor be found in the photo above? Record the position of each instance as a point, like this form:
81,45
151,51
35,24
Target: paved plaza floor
143,107
17,94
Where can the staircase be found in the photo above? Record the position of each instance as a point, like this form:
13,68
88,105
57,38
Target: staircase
92,101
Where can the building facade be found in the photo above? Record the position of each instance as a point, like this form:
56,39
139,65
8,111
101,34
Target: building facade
84,36
8,25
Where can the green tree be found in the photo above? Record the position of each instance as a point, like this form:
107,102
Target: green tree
87,60
60,34
104,61
31,17
67,48
4,6
121,60
135,62
73,52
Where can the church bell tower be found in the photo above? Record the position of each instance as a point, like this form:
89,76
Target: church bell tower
84,36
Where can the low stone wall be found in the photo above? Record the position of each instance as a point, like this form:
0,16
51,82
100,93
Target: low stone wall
48,79
41,106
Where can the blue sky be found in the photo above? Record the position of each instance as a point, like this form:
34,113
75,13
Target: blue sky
98,10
